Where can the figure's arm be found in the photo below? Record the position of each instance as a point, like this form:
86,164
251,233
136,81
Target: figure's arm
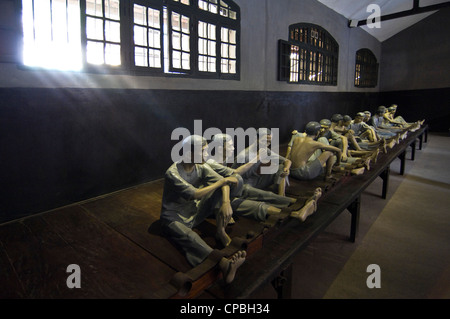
331,149
225,209
344,147
202,192
244,168
287,167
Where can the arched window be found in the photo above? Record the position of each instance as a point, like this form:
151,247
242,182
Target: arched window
194,38
366,69
310,56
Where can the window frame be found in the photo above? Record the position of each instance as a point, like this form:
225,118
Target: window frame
127,45
368,69
314,58
145,70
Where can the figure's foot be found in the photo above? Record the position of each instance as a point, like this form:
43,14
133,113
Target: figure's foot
223,238
229,266
391,143
358,171
383,145
232,221
310,206
374,155
338,169
367,163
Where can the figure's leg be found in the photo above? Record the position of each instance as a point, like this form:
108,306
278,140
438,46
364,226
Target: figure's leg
194,247
211,205
221,234
353,141
267,197
327,158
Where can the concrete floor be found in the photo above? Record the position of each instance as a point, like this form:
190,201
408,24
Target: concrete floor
407,235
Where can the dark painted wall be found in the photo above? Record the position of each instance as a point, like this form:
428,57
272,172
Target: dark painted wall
59,146
415,71
433,105
418,57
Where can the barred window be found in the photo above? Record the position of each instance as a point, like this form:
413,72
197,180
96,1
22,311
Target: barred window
193,38
366,69
310,56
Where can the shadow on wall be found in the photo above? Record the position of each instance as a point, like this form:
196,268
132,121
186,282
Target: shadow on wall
61,146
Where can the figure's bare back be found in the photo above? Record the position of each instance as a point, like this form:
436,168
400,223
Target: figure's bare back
302,149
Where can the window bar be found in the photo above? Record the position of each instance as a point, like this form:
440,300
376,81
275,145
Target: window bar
34,20
51,20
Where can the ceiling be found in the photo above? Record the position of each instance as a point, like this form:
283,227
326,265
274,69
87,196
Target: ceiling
358,10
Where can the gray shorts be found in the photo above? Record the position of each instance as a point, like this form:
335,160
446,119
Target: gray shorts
310,171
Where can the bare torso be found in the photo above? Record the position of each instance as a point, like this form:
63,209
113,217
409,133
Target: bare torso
302,149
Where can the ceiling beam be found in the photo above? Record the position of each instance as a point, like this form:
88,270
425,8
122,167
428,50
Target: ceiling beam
415,10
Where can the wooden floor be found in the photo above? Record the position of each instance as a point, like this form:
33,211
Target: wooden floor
114,239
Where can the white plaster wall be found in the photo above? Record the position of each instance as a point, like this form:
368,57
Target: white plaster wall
263,23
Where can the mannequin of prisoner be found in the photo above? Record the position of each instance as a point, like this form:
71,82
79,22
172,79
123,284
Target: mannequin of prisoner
192,192
253,202
254,176
377,123
361,135
354,162
333,138
389,117
362,129
303,148
336,124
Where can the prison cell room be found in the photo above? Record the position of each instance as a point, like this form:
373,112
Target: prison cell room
96,96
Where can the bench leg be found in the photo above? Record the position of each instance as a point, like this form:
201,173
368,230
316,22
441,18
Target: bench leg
402,157
385,177
354,209
413,150
420,141
283,283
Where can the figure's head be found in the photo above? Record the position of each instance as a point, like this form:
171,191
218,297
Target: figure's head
312,128
347,120
359,117
264,137
325,125
381,110
336,118
224,145
195,149
392,109
367,115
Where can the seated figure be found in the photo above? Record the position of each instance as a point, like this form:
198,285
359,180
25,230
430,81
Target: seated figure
192,192
306,167
275,181
377,123
360,134
253,202
333,138
390,118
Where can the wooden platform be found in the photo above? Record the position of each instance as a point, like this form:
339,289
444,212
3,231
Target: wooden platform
116,242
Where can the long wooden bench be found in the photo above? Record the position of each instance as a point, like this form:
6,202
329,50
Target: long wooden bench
270,252
116,241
